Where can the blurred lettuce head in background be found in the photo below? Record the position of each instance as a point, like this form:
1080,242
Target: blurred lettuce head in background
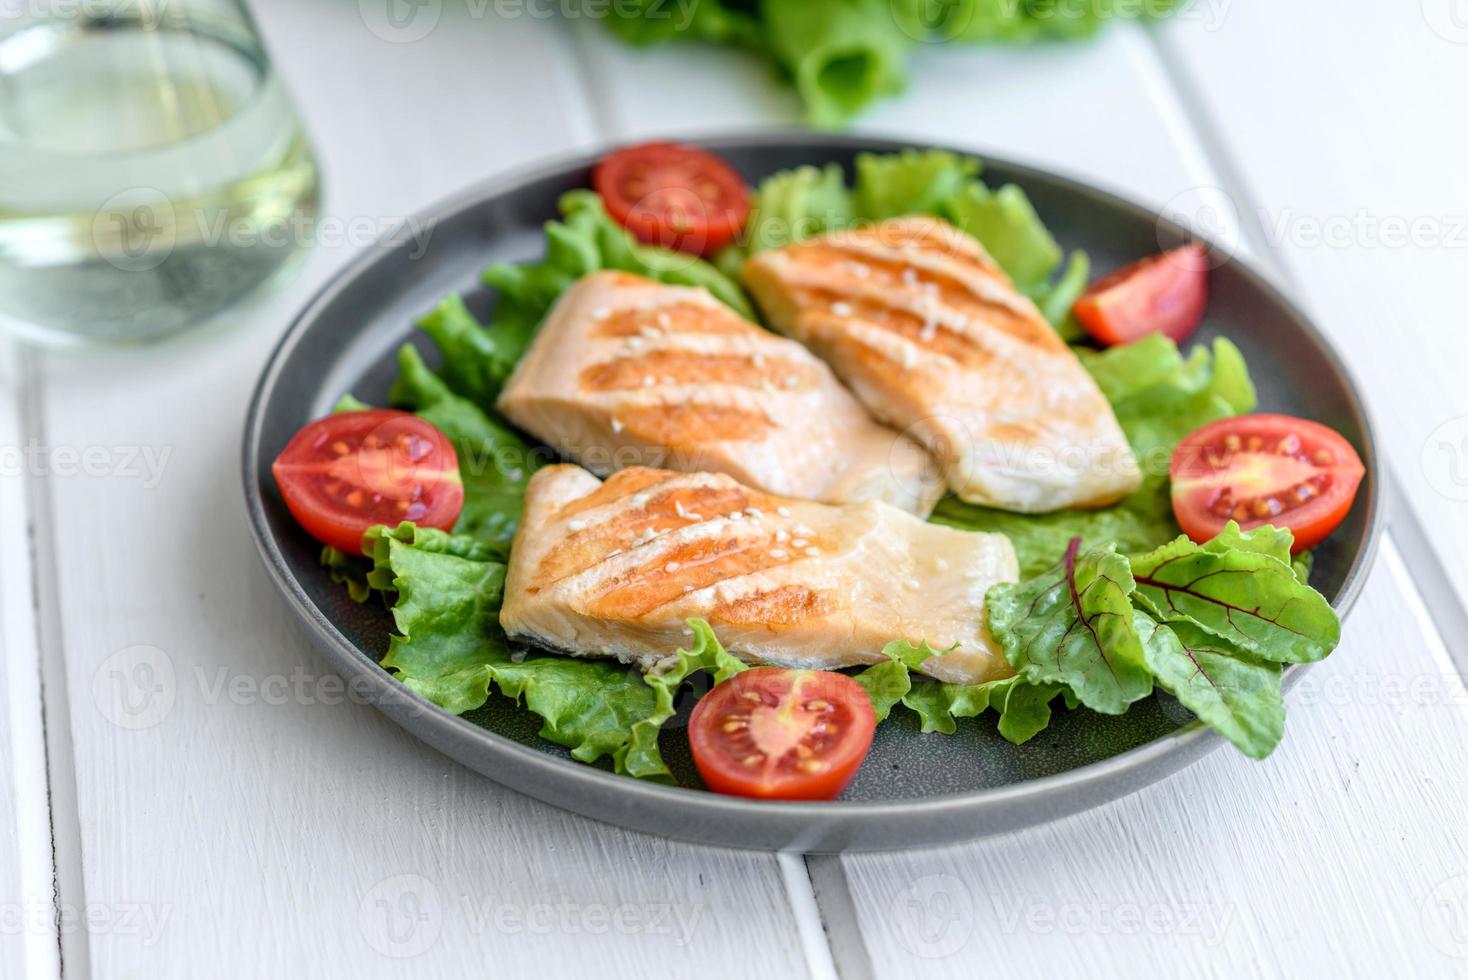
843,55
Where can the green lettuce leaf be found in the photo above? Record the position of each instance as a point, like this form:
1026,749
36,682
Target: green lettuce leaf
449,648
1250,599
841,55
1074,626
495,464
890,185
1233,693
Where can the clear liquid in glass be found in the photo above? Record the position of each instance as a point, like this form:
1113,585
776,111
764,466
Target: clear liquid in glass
152,171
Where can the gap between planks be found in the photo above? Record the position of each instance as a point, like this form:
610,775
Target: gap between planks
68,890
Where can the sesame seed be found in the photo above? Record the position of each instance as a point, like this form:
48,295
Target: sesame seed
778,553
687,588
782,535
859,270
783,511
601,313
765,384
812,551
799,543
942,564
664,320
650,333
616,424
672,566
754,512
791,381
648,381
909,276
678,507
694,517
577,525
758,359
803,529
737,515
913,584
842,309
909,357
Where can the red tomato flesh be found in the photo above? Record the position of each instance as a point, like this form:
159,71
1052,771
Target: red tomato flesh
1264,469
782,734
347,472
1161,294
676,196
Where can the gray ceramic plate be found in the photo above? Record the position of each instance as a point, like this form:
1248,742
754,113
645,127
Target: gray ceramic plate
914,789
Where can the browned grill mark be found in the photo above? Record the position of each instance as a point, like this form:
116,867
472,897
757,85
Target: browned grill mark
693,367
634,479
930,236
679,505
887,276
691,426
1013,433
693,318
788,605
692,566
941,340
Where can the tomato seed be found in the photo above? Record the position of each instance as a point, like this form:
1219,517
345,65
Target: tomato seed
1289,445
811,766
817,705
1255,444
1324,457
753,759
1232,443
355,498
339,447
735,725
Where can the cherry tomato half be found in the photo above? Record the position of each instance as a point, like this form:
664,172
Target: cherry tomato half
673,195
782,734
1161,294
1264,469
347,472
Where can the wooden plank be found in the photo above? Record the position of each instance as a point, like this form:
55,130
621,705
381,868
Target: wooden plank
224,788
1338,855
1347,168
29,946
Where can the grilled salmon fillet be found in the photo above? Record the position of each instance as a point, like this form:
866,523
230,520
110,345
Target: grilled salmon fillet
613,569
628,371
930,334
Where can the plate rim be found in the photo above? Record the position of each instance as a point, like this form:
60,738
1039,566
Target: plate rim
569,780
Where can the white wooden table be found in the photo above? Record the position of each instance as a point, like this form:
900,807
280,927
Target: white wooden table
188,794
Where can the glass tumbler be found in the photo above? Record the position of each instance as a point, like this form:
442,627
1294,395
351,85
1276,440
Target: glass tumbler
152,167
